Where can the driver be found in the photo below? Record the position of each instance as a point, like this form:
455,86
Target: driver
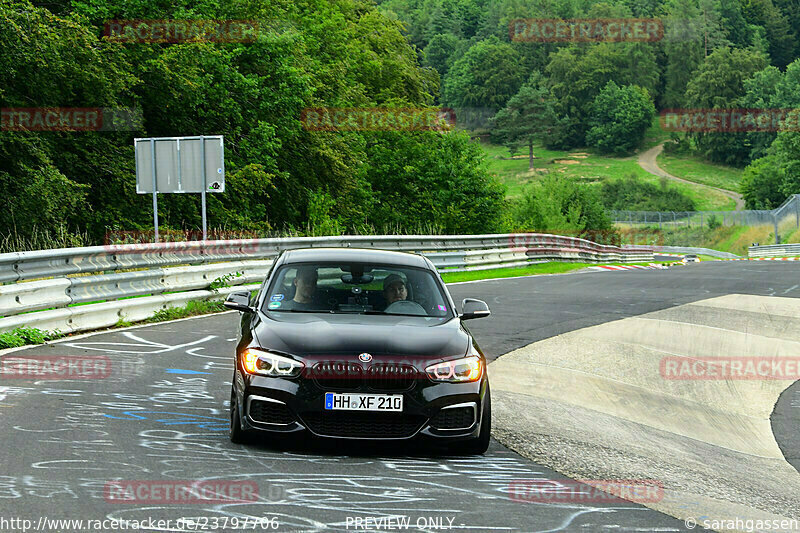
394,289
305,283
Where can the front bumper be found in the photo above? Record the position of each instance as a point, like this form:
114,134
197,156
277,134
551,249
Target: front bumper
442,411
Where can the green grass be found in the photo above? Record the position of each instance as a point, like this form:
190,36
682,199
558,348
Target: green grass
192,308
587,166
541,268
700,171
24,336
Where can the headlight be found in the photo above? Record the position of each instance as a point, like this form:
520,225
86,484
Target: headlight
461,370
270,364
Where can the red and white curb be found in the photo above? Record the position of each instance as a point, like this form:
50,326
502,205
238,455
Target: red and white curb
652,266
762,259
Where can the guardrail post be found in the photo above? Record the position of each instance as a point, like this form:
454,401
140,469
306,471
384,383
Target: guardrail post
203,195
155,191
775,221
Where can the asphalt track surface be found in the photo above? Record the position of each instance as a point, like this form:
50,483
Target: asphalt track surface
162,414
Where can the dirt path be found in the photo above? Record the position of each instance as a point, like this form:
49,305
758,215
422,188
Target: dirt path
647,160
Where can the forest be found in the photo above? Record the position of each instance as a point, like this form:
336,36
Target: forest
285,178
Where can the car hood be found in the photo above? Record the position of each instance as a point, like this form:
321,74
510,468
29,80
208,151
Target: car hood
350,335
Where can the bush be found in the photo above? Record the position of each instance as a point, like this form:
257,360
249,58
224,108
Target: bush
632,194
10,340
558,205
22,336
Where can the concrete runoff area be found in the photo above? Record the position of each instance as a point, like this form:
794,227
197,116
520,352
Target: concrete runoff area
593,404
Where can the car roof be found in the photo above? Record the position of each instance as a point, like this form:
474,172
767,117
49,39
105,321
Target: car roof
361,255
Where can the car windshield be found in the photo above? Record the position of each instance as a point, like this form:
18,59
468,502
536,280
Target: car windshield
357,288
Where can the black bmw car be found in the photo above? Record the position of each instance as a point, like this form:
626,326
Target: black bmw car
358,344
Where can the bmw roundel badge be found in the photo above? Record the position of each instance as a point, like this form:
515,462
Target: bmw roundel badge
364,357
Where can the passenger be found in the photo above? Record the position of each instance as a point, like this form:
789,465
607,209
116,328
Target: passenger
394,289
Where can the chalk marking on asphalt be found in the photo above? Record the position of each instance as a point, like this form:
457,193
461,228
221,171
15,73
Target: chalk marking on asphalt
142,343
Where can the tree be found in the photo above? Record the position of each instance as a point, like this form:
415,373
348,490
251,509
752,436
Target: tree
440,51
761,184
730,13
787,155
577,77
712,26
433,179
488,75
719,83
791,10
683,49
528,116
620,116
770,89
777,30
768,181
311,53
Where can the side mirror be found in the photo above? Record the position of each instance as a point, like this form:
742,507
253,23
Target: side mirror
238,301
472,308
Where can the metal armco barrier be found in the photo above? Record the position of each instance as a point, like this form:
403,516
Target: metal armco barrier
774,250
171,274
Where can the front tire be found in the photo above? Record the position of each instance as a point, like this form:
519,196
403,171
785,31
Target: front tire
480,444
236,433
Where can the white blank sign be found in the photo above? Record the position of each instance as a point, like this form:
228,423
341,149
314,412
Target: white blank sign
179,164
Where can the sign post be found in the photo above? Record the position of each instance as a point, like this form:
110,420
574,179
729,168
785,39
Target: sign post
180,165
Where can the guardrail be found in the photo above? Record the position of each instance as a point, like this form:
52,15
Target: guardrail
130,282
774,250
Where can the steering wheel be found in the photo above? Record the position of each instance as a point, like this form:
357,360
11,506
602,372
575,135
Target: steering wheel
405,307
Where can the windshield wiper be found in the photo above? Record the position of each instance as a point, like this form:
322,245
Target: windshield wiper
299,311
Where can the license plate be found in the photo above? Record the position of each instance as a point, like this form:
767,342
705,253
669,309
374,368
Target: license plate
363,402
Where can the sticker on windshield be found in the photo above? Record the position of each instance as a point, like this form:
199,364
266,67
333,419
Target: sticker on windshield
274,305
441,308
276,298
